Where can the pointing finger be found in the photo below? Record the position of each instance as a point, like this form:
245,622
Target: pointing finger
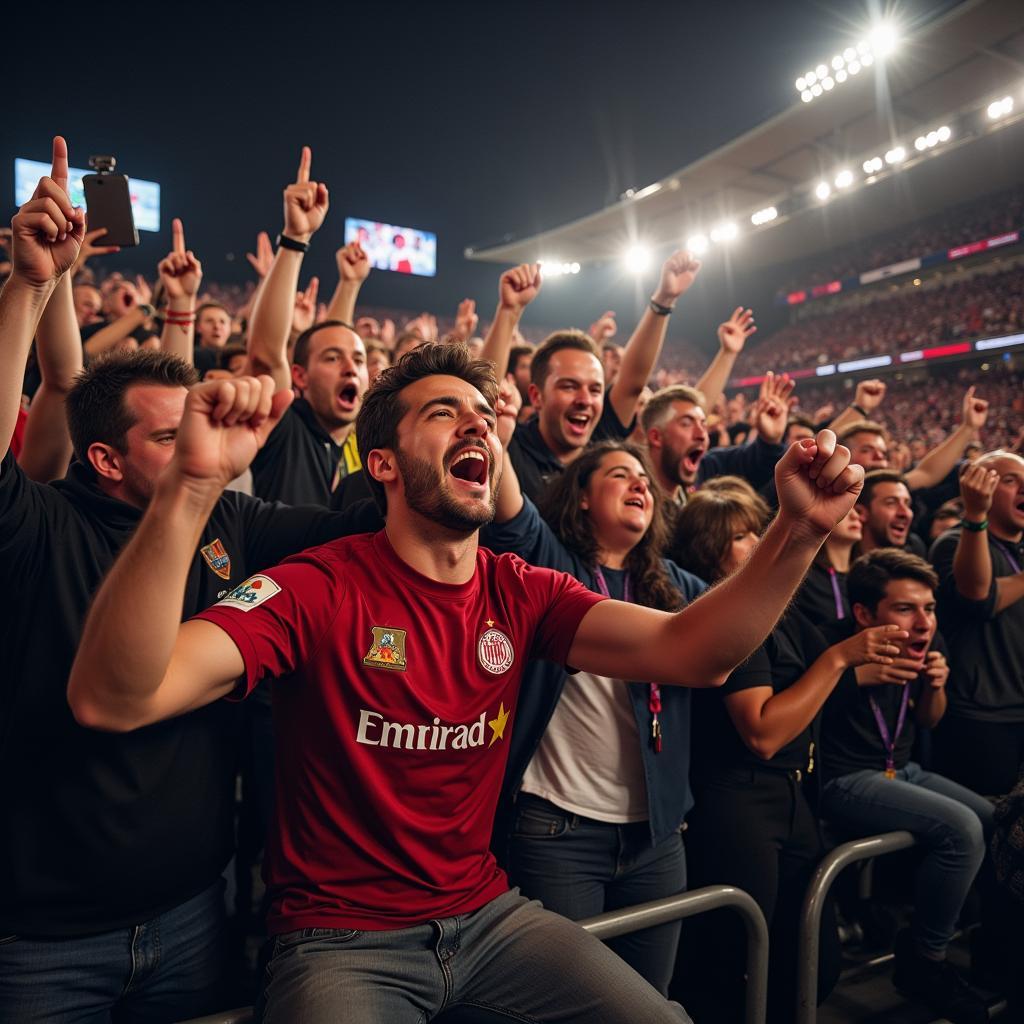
59,170
177,236
305,162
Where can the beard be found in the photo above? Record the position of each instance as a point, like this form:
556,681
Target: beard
430,497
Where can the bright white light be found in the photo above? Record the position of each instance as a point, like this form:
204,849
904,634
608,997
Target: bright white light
854,67
896,155
697,244
844,179
769,213
932,138
574,268
828,84
551,268
869,166
944,134
863,47
840,76
884,40
724,232
868,59
821,71
920,143
807,95
823,190
1000,108
837,62
637,259
801,84
815,90
566,268
810,78
849,54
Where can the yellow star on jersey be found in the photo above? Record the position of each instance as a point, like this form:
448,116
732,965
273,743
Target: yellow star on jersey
497,725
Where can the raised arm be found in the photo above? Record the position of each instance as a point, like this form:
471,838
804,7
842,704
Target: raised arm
767,721
517,288
508,502
353,270
114,334
170,667
640,355
46,235
46,451
940,461
305,206
180,274
817,486
867,398
732,336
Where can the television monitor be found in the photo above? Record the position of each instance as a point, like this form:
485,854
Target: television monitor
402,250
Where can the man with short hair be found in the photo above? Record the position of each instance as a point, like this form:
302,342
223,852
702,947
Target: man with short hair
981,604
886,513
111,846
871,785
399,657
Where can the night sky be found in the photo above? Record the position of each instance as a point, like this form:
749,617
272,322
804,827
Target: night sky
473,120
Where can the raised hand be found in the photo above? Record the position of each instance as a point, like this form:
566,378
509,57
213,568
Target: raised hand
816,483
263,259
733,334
425,325
224,425
466,320
603,328
180,271
305,202
507,409
518,287
975,410
876,645
353,263
936,669
771,411
47,232
977,486
869,395
89,248
306,307
387,333
678,273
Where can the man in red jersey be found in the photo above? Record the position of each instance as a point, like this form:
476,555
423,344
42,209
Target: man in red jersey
397,658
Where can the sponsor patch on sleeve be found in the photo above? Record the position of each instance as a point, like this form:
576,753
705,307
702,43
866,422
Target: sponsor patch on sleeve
251,594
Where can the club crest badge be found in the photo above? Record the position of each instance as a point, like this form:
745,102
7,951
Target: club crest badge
217,559
388,649
494,651
252,593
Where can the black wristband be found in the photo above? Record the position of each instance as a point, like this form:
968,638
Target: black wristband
284,242
974,527
860,409
659,310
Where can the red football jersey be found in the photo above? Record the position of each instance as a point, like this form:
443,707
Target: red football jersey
393,708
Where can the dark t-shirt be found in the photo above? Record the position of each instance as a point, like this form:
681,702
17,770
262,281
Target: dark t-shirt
986,665
822,596
106,830
779,662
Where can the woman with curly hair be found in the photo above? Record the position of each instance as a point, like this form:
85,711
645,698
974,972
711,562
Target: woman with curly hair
598,767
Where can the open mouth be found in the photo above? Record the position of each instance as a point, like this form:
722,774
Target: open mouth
635,503
898,530
579,423
348,395
691,460
1019,505
917,649
470,466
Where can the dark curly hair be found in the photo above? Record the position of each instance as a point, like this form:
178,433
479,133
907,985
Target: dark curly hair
562,510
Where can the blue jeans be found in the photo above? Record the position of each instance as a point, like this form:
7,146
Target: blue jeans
166,969
579,868
511,957
951,823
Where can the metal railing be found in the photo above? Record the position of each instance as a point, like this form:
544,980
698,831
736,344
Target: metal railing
649,915
808,948
688,904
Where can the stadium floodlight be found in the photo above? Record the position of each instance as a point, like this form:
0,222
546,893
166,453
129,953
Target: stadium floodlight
849,54
867,60
724,232
638,258
873,166
853,67
816,89
883,40
1000,108
769,213
844,179
944,134
837,62
551,268
574,268
801,84
807,95
828,83
821,71
840,76
896,155
697,244
920,143
823,190
863,46
810,78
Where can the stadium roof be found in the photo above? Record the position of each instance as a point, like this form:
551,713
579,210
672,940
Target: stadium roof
942,74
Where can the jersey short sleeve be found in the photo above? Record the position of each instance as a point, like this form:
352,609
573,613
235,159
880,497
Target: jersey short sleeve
561,603
755,671
278,617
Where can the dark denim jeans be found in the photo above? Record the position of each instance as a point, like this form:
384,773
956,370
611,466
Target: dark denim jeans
166,969
579,867
952,823
511,958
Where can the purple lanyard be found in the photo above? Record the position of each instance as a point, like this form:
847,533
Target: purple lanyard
836,593
1006,552
883,730
654,691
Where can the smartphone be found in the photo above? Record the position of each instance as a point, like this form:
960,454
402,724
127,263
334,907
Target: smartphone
108,204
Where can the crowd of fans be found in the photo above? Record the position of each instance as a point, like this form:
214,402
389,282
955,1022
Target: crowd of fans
390,538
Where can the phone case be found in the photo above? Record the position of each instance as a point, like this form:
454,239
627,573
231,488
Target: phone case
109,205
